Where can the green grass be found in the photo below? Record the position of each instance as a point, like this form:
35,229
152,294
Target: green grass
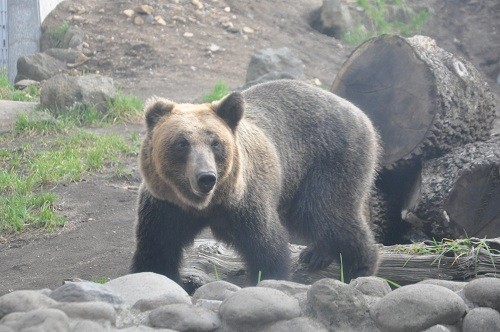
377,12
28,171
100,280
7,91
219,91
123,108
57,34
456,248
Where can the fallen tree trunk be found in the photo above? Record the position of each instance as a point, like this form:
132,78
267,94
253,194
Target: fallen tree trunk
423,100
458,194
209,260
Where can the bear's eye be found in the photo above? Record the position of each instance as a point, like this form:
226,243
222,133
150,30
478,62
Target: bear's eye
216,144
182,144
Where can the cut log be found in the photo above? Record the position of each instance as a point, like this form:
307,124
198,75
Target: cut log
209,260
458,194
422,99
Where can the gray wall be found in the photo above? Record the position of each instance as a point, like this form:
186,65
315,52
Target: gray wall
24,19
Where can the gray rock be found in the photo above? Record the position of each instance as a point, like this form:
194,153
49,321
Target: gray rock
451,285
184,317
24,300
9,112
64,91
74,37
5,328
40,320
94,311
254,308
65,55
297,290
85,292
484,292
156,302
85,326
438,328
23,84
213,305
334,19
143,328
274,60
147,286
272,76
371,286
299,324
288,287
481,320
38,67
338,306
417,307
217,290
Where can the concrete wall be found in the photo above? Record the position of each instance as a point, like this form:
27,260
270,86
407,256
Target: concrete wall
24,29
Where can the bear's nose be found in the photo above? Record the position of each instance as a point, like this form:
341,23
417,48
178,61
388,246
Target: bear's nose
206,181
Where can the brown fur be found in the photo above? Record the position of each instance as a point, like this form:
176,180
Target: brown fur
279,154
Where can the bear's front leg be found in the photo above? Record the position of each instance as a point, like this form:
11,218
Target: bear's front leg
259,237
162,231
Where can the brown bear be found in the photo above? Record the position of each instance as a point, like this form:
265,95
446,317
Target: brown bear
280,157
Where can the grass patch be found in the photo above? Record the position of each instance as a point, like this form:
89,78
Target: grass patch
100,280
58,33
382,22
8,92
455,248
123,108
219,91
27,171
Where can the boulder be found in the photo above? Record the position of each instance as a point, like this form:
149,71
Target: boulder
417,307
40,320
269,60
24,300
254,308
339,306
147,286
481,320
64,91
37,67
184,317
85,291
484,292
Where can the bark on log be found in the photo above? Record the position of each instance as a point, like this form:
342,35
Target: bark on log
458,194
423,100
209,260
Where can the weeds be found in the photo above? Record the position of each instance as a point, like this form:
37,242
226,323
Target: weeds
378,14
450,248
8,92
27,172
57,34
219,91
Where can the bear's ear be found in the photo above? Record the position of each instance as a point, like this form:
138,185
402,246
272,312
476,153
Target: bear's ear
231,109
154,109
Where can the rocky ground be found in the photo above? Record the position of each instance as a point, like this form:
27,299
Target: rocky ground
143,301
182,60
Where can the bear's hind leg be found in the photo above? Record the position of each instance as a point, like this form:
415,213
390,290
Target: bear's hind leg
331,221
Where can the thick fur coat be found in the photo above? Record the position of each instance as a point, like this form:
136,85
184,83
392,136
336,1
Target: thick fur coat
279,157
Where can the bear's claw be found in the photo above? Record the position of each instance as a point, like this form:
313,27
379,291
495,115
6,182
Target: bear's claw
315,259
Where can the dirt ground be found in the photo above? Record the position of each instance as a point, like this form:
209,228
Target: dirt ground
182,60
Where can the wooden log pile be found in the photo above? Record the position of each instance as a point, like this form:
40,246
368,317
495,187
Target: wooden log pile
440,170
209,260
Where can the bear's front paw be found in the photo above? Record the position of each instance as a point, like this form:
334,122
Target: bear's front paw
315,258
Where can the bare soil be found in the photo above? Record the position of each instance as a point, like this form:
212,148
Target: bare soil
152,59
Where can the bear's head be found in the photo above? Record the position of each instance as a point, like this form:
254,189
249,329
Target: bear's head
189,150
